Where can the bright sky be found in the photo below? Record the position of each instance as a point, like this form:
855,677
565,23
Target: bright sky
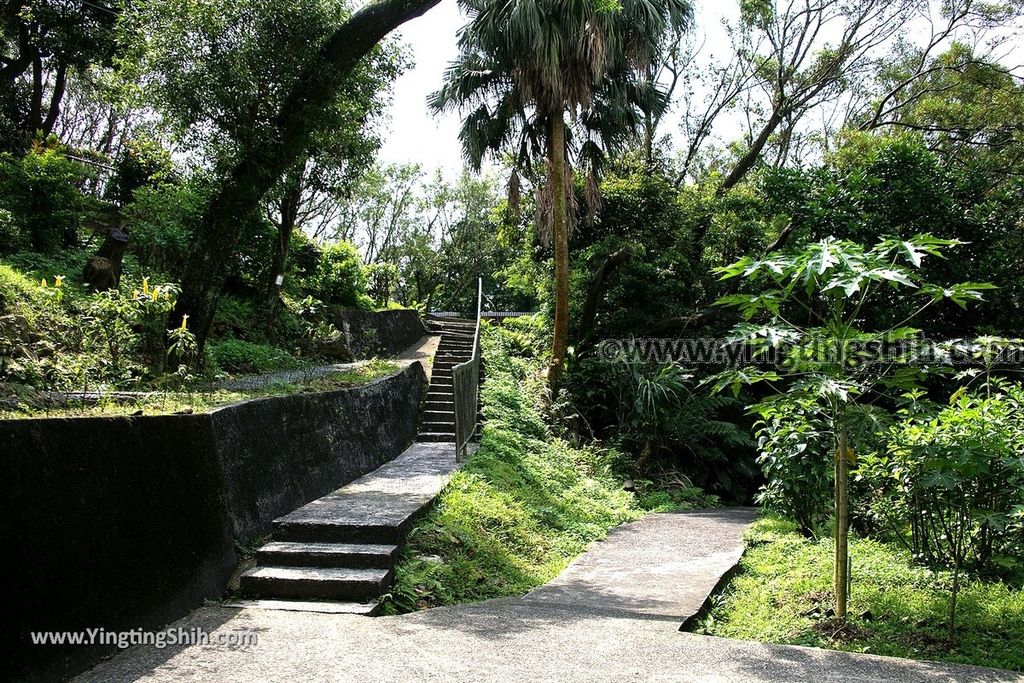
416,135
419,137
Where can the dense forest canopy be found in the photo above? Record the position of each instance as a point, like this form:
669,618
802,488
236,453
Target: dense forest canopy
228,149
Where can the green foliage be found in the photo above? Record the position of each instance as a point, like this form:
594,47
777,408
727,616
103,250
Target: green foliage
796,457
11,238
40,194
898,185
950,484
828,368
642,212
340,277
219,73
782,592
674,500
160,220
15,288
656,414
143,162
381,278
242,357
83,341
120,319
523,506
540,56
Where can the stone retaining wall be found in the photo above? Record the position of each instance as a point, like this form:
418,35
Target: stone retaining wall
366,334
122,523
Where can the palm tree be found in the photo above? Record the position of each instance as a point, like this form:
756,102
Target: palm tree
524,65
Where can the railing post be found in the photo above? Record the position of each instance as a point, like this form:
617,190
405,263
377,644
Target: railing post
466,386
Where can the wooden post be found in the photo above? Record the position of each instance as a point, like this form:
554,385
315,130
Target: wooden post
842,523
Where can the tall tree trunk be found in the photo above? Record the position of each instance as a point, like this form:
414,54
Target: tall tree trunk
842,522
59,85
588,319
560,234
35,112
751,156
288,208
260,166
11,71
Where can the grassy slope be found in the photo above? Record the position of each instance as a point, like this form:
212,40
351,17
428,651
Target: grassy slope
784,585
524,505
21,294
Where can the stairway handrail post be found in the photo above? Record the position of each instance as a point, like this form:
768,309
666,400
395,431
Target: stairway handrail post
466,387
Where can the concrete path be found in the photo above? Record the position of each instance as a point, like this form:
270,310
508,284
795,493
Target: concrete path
610,617
661,567
422,351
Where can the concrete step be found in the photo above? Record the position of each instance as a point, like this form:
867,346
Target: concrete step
451,361
442,416
377,508
352,555
458,348
441,395
318,583
435,437
364,609
447,399
438,427
365,532
439,406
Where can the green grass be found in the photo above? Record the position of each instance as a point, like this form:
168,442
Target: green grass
525,504
783,593
200,401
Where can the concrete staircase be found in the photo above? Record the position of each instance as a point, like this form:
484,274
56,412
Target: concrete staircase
338,553
456,347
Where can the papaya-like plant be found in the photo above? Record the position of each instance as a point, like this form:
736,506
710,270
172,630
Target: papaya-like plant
803,322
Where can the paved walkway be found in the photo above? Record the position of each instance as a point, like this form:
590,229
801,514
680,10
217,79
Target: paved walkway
611,616
423,351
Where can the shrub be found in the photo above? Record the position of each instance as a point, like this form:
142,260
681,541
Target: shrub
951,483
382,279
795,455
241,357
144,162
340,277
40,191
11,236
160,220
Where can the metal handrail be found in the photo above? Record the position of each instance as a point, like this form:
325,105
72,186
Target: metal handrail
466,386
